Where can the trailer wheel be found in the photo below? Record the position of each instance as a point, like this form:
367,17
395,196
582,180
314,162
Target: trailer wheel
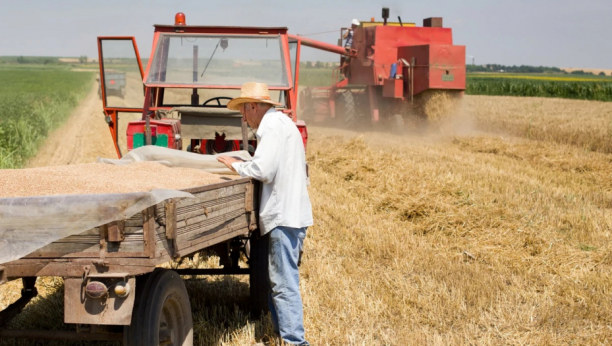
163,315
346,109
258,278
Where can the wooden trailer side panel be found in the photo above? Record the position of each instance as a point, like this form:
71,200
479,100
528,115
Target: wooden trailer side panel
213,216
90,243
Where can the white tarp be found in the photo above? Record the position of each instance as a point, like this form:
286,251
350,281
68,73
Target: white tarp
176,158
30,223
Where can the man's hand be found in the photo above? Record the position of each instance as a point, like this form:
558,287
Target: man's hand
228,160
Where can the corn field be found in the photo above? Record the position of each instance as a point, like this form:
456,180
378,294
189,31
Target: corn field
583,90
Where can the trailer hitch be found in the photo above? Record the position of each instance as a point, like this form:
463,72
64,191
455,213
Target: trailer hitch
28,292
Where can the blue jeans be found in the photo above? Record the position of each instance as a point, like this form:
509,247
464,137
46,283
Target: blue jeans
285,301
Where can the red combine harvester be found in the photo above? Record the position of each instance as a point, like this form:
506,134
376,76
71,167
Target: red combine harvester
390,68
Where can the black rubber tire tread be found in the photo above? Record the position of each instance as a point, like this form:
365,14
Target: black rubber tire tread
346,109
258,277
143,284
161,285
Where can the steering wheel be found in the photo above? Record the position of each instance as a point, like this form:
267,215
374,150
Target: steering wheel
218,99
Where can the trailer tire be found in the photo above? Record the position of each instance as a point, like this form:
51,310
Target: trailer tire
258,277
163,302
346,109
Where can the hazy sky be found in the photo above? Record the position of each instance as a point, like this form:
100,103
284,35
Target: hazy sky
562,33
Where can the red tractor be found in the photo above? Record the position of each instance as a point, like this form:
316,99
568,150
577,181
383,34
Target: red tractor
190,76
392,68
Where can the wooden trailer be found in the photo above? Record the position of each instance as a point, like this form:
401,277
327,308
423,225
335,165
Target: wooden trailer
114,288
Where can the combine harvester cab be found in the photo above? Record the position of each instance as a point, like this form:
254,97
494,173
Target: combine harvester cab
179,100
392,69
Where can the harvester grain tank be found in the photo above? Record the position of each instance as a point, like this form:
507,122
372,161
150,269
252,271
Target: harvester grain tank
391,68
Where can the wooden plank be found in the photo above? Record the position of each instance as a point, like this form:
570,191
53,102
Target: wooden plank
203,240
253,224
212,219
211,210
59,250
116,231
170,209
212,195
199,231
149,231
248,198
74,267
89,245
198,189
134,221
224,214
212,203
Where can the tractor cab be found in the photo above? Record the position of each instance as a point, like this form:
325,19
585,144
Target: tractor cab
192,73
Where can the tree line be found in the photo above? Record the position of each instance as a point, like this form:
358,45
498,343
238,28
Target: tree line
524,69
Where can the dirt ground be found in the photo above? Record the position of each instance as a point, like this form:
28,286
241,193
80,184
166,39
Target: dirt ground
490,232
83,138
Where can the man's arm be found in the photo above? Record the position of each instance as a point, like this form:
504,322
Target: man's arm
265,163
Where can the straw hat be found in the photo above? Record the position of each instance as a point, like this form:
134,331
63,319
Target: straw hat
252,92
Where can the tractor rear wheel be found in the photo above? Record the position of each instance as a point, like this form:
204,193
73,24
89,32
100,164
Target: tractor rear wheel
346,109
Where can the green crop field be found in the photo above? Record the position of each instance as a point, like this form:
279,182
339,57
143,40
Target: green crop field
544,76
34,100
584,88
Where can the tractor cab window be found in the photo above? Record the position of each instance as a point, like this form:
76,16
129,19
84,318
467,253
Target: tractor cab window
122,80
216,60
174,97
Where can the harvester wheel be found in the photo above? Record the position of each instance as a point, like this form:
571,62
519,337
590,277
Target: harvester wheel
258,278
346,109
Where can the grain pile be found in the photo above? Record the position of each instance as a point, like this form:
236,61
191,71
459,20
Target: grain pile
99,178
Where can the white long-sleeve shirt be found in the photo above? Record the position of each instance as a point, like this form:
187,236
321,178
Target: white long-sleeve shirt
280,164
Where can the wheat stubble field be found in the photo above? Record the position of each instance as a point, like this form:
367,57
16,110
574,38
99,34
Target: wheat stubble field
495,231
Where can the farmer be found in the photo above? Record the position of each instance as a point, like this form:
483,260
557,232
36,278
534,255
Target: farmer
348,35
348,44
285,211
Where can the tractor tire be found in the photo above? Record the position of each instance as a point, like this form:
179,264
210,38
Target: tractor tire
162,314
346,109
258,277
